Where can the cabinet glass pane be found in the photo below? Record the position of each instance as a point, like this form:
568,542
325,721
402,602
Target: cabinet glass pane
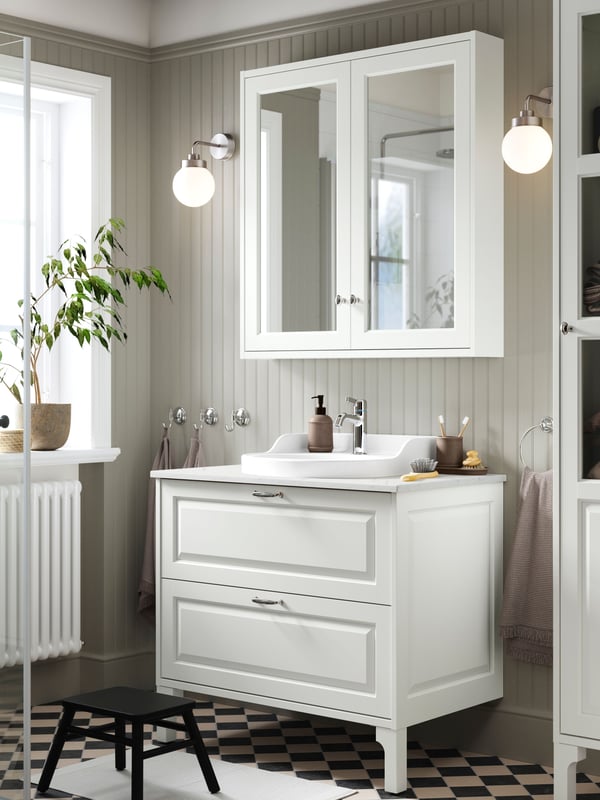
298,209
411,199
590,246
590,399
590,83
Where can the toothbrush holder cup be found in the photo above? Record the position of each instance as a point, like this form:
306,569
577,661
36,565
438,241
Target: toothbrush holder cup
449,451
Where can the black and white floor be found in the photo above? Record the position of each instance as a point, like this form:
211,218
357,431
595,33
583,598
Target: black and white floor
316,750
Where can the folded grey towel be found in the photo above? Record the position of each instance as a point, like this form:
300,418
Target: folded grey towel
526,622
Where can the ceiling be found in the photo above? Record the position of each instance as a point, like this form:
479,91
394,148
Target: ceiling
161,22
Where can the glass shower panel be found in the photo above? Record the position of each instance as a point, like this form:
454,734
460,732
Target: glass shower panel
411,197
15,676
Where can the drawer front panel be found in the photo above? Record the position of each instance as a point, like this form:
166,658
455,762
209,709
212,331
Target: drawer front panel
331,543
326,653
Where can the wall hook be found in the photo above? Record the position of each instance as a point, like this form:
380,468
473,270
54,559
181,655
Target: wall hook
179,415
240,417
209,416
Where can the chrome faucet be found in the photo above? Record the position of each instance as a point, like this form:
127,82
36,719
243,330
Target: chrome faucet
359,420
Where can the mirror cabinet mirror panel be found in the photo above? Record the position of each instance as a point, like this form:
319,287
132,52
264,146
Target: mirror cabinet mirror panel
411,199
298,189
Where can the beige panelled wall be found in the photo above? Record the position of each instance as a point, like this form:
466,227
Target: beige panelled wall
195,342
187,352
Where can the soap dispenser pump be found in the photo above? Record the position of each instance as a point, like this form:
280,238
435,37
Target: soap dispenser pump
320,429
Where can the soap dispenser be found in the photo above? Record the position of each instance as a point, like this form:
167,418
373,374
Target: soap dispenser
320,429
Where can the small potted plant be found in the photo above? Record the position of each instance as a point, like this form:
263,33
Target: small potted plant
90,302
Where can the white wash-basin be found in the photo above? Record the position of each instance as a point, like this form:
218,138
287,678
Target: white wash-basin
387,455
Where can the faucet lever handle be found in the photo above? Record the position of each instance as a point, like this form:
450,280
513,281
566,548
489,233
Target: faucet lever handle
351,400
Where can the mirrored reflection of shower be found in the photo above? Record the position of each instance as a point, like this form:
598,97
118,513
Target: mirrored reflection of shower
444,152
412,188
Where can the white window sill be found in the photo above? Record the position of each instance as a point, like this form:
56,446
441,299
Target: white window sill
64,457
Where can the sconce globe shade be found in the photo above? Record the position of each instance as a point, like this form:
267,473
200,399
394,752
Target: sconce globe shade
193,186
527,148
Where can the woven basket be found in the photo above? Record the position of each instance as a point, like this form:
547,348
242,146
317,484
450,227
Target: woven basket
11,441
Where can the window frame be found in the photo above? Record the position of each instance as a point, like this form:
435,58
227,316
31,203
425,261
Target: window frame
96,88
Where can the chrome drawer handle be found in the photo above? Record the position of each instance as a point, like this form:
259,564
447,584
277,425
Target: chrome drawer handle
261,602
267,494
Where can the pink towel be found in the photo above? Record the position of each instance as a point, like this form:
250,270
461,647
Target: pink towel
147,585
526,622
195,456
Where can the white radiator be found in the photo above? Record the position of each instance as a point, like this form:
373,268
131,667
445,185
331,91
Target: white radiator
54,569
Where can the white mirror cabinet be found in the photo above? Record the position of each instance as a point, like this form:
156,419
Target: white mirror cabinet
372,203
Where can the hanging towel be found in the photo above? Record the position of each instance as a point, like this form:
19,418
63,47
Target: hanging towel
195,456
526,622
147,585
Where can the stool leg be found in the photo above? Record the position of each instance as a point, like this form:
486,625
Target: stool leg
200,749
137,760
60,738
119,745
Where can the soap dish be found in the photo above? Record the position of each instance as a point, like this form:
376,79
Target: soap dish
423,465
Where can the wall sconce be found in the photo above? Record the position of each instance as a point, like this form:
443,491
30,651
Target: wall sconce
527,146
193,184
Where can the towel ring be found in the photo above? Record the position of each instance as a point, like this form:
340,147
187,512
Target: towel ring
546,424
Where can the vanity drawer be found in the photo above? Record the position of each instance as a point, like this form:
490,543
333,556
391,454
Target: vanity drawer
328,653
309,541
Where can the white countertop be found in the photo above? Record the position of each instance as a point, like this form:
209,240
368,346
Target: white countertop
232,473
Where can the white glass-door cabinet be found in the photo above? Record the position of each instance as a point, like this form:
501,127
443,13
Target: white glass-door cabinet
372,200
577,532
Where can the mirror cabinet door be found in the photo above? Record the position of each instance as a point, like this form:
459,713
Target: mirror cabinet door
301,199
413,145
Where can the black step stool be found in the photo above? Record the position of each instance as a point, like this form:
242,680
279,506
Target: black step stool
138,707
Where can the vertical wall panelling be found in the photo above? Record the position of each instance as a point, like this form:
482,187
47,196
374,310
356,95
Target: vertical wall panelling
187,352
503,396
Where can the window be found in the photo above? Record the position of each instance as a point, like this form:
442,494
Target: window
70,172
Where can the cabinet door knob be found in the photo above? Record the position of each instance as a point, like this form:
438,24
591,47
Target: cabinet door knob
565,328
266,494
339,299
263,602
354,299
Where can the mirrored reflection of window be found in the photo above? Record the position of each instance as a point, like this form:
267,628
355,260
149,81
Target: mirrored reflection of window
411,148
298,209
391,257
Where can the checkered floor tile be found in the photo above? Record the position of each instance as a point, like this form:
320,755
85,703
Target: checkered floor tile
315,749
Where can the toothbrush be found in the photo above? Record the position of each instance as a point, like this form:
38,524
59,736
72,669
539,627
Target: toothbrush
465,422
442,426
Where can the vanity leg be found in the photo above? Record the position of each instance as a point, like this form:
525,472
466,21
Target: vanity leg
166,734
566,757
395,762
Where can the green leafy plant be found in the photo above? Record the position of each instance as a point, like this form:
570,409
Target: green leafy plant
90,302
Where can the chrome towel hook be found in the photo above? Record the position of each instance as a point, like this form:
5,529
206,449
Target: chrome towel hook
240,417
209,416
